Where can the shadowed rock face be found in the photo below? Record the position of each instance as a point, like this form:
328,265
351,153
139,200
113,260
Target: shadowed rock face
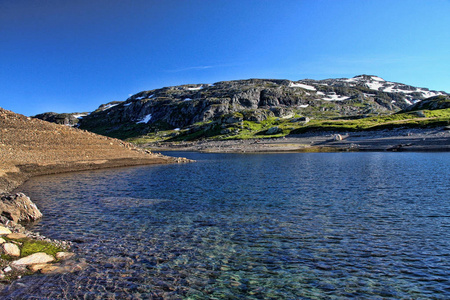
256,99
437,102
64,119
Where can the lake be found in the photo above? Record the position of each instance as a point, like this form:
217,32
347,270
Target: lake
251,226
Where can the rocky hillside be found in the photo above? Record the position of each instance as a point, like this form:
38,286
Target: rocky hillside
30,147
71,119
433,103
255,100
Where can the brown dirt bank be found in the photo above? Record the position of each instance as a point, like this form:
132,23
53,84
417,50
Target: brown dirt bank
31,147
432,139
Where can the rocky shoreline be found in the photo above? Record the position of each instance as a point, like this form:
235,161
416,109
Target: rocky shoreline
29,148
24,252
401,139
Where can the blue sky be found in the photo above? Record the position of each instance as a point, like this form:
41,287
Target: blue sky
72,56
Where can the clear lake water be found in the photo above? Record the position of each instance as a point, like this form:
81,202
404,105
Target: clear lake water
251,226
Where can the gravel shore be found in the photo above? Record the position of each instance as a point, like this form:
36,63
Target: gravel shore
432,139
31,147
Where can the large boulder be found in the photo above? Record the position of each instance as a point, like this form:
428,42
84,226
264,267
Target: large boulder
19,208
36,258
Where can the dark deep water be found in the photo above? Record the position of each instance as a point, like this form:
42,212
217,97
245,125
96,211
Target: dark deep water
268,226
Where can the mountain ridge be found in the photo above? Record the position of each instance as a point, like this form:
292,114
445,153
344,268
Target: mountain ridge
254,100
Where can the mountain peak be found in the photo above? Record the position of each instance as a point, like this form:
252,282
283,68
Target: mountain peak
368,77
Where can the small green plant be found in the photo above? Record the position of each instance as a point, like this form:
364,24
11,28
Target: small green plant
33,246
7,257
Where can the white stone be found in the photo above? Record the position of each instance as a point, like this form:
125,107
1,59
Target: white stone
303,86
4,230
7,269
36,258
11,249
2,240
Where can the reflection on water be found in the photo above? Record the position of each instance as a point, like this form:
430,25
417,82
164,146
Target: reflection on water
273,226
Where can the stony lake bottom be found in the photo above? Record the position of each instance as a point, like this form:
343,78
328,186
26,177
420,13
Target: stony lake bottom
251,226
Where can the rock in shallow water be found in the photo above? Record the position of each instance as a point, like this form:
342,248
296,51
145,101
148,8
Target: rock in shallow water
43,268
64,255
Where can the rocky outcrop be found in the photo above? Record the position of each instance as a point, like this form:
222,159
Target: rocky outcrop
70,119
19,208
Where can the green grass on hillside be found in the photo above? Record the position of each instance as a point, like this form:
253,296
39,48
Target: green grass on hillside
250,129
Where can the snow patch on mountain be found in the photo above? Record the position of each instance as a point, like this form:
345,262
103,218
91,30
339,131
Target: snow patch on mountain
195,88
376,78
302,86
374,85
80,116
407,101
146,119
108,106
335,97
428,94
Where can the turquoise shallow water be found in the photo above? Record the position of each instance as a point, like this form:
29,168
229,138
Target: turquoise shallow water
269,226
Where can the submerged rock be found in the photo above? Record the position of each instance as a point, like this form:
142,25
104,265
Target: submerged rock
43,268
64,255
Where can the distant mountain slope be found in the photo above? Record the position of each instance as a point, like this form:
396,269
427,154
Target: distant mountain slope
71,119
32,147
433,103
253,100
